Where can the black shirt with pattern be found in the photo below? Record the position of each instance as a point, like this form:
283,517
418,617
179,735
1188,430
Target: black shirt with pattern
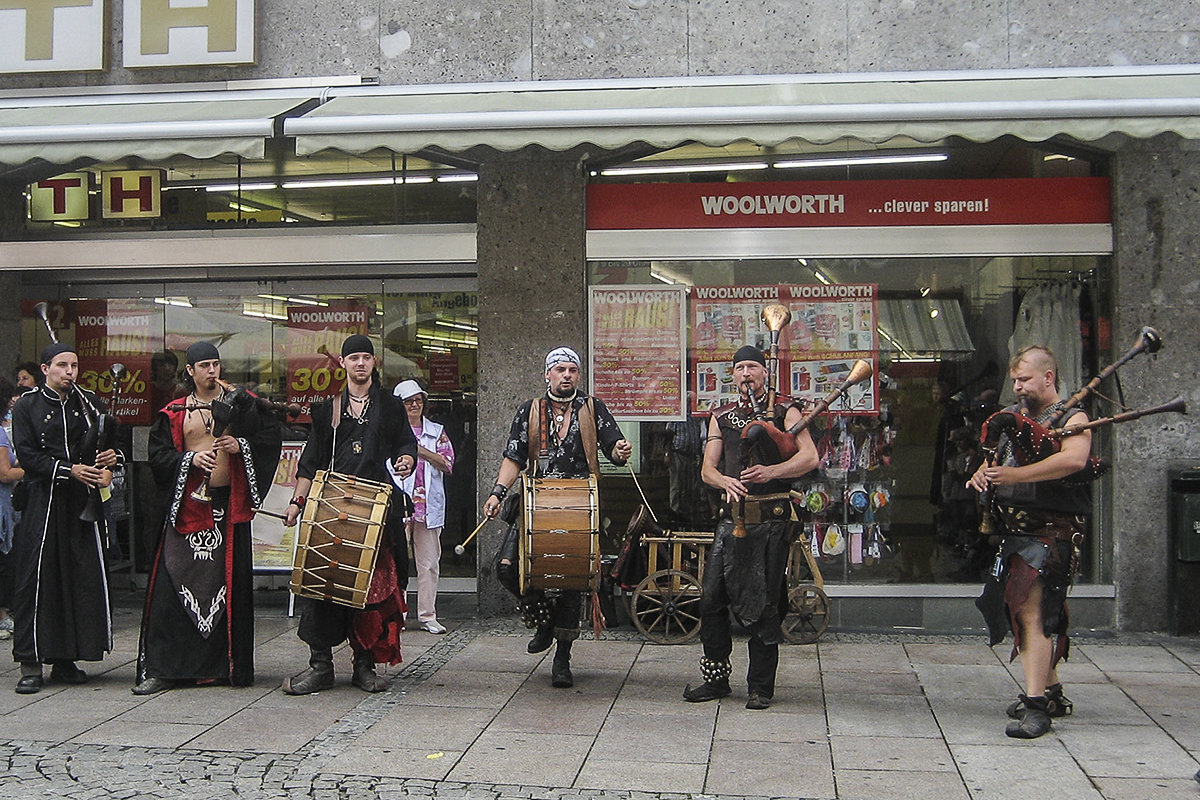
566,458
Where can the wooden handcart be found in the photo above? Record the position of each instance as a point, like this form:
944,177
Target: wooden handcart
665,605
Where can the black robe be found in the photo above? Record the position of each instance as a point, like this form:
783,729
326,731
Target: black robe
60,598
198,621
362,450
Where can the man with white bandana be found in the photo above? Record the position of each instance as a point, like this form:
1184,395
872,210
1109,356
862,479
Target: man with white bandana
564,411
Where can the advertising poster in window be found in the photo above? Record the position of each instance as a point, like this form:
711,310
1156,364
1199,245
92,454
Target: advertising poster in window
113,342
830,327
313,349
273,543
638,351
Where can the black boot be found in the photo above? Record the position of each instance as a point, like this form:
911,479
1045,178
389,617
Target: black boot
1034,722
560,670
318,676
1060,704
543,637
716,681
364,674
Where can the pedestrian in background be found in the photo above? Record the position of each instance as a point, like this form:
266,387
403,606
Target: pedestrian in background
426,486
10,475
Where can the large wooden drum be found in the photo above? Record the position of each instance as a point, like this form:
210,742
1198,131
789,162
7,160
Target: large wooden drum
338,538
560,541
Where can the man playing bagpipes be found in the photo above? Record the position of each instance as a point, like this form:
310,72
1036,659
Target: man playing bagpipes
1044,518
745,569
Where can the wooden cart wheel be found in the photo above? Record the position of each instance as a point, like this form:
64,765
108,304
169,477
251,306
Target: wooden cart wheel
665,607
808,614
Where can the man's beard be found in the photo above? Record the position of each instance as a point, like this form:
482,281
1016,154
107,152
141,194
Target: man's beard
558,391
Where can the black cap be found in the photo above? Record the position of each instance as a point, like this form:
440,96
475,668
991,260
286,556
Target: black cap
52,350
357,344
201,351
748,353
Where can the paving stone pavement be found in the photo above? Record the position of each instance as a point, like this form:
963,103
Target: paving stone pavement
471,716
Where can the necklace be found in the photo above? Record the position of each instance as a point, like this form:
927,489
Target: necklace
199,408
365,403
560,405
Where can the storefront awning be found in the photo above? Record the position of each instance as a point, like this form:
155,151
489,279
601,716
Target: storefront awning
63,131
923,327
1087,104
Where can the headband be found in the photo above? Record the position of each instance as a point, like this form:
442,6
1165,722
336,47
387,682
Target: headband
561,355
201,351
749,353
357,344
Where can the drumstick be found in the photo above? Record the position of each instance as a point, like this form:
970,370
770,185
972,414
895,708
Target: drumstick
271,514
459,549
633,475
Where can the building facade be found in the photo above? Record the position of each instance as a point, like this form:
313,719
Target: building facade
403,168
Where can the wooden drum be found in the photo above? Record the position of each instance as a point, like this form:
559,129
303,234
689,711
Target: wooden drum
560,541
338,538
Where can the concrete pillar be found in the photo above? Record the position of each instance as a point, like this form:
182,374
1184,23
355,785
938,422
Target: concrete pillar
532,298
1156,184
12,221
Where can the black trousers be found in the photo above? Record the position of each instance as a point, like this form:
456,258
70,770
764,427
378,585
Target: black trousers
742,574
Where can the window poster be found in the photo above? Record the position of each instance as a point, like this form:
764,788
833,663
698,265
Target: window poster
273,543
314,346
830,327
112,340
638,355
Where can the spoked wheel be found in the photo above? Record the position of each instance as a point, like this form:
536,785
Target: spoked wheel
808,614
666,607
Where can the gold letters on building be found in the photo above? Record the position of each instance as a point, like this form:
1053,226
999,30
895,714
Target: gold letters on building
72,35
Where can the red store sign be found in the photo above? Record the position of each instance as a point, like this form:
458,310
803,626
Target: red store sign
811,204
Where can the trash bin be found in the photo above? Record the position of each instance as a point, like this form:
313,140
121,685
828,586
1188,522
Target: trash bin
1184,522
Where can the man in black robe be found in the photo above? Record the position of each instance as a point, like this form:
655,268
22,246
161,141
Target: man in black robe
198,622
369,429
60,598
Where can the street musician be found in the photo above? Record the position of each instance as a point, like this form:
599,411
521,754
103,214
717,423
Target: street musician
1043,520
745,573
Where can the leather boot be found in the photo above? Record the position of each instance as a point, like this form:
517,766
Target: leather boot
1034,722
543,637
318,676
364,674
1060,704
560,670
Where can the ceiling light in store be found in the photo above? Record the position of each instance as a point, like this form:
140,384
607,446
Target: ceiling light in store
676,169
924,291
181,302
244,208
300,301
461,326
234,187
338,183
861,160
249,312
1057,157
933,313
462,177
822,277
463,341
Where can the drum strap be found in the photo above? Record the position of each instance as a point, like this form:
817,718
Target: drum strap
539,421
334,421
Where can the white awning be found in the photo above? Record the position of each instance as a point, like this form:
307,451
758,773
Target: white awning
66,129
1087,104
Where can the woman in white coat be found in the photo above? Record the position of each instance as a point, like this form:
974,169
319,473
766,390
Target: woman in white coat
426,486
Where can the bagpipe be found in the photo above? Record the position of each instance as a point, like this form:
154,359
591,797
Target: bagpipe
224,410
101,432
762,441
1033,442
